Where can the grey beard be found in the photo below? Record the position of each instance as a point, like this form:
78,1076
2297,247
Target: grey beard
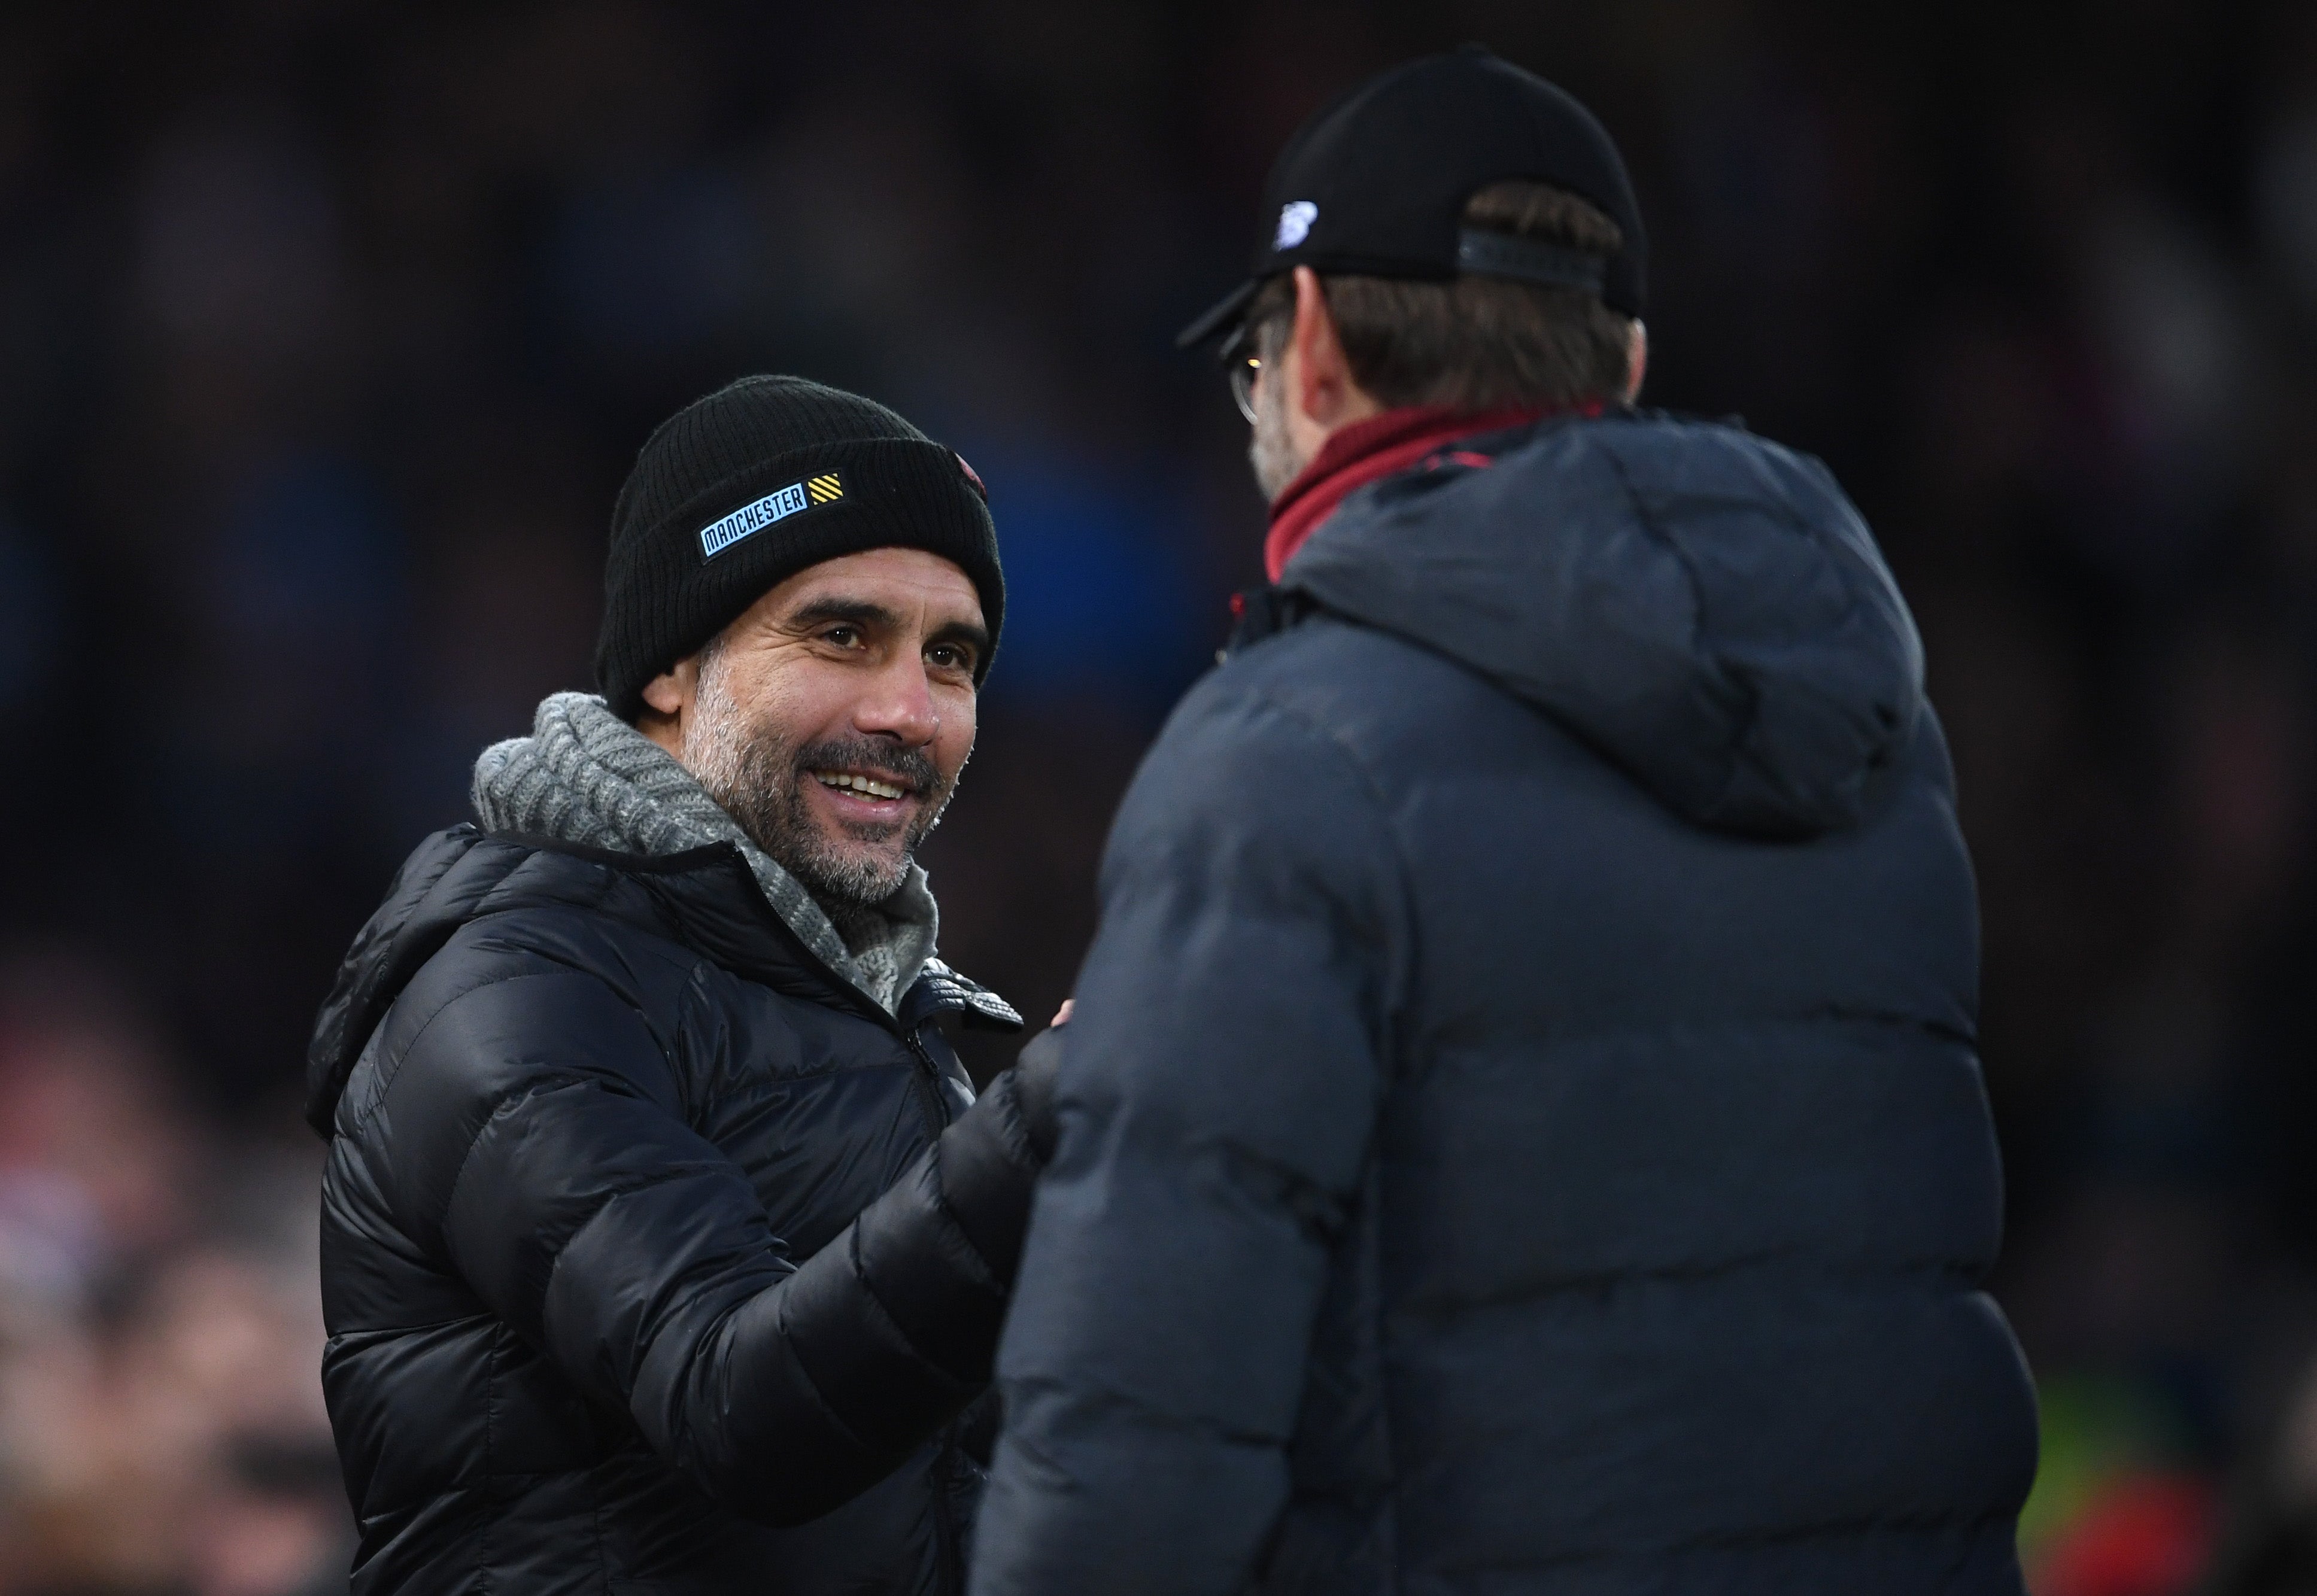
756,775
1269,450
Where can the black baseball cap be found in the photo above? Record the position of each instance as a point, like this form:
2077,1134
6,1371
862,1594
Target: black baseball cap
1375,185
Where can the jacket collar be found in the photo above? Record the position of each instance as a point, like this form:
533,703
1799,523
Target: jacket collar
705,898
584,777
709,899
1356,455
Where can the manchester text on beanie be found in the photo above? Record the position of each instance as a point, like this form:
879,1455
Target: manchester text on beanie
738,492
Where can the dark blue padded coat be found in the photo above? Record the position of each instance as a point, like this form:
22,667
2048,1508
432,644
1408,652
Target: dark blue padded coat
1522,1130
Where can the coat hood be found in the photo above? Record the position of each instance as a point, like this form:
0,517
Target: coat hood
1703,607
440,887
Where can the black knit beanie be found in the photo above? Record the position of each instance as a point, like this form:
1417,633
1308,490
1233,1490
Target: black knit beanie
738,492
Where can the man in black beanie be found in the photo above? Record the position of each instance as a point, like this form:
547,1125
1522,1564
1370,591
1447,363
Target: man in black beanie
663,1242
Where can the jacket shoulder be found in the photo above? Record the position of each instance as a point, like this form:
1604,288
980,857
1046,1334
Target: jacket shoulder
452,881
1270,718
1257,795
563,957
1365,688
521,1006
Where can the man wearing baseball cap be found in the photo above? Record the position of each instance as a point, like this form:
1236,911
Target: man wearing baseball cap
664,1244
1521,1130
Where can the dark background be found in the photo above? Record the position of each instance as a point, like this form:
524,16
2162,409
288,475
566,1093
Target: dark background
328,328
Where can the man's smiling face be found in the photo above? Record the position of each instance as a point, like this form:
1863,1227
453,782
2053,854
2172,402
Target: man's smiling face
832,719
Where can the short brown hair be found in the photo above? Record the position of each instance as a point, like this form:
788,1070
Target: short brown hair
1479,343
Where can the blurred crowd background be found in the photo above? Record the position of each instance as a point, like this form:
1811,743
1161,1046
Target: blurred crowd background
328,328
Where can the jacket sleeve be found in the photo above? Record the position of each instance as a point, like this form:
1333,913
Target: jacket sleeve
540,1144
1221,1082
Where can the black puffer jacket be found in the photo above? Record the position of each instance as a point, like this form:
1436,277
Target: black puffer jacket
1521,1131
602,1317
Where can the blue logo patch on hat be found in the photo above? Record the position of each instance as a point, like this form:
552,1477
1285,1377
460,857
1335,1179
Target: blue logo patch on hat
749,520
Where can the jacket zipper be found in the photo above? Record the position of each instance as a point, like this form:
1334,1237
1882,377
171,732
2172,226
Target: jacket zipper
851,997
928,1083
947,1547
947,1532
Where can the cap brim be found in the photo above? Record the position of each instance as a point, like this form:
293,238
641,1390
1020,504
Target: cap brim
1221,317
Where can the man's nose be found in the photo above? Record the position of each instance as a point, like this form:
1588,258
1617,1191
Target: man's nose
899,705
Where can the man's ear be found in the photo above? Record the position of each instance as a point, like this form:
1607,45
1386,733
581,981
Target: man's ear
1637,360
1324,390
667,698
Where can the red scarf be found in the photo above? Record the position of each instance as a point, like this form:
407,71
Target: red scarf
1355,455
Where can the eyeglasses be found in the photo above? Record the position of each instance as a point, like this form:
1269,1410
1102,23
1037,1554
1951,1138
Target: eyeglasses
1242,366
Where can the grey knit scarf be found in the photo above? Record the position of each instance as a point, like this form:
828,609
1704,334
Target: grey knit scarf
585,776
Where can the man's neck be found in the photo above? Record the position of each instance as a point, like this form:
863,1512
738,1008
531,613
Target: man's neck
665,730
858,926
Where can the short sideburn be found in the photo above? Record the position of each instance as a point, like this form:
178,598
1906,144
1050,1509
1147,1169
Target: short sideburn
1480,343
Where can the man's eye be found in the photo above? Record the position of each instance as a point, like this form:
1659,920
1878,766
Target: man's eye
949,657
843,637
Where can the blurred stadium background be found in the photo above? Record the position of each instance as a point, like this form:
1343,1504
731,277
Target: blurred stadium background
327,328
